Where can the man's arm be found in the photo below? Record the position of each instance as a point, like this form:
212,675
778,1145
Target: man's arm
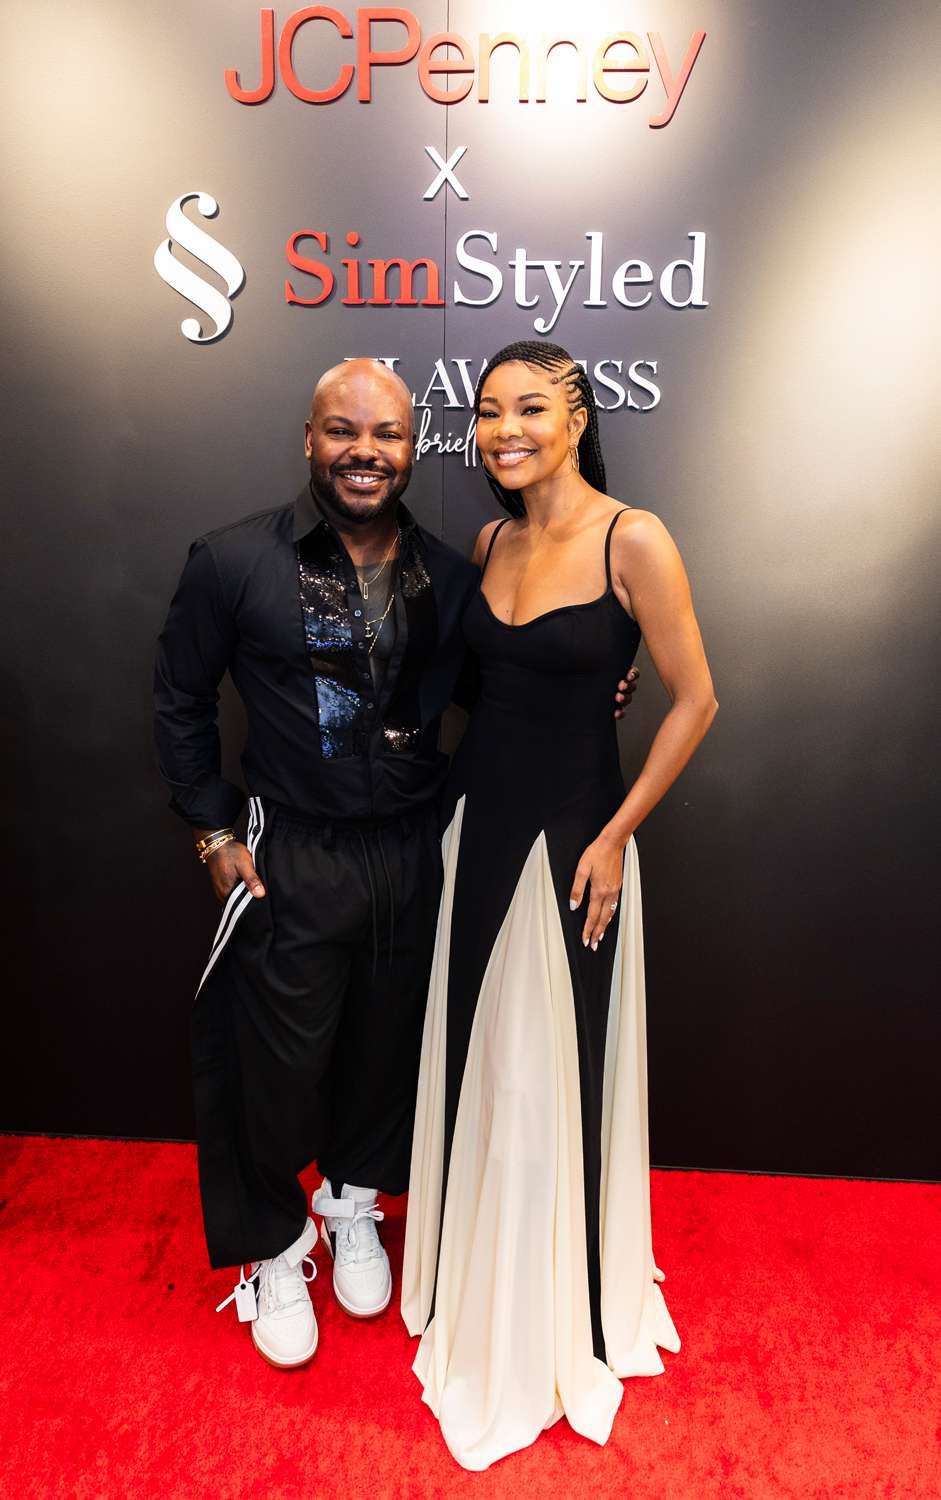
193,653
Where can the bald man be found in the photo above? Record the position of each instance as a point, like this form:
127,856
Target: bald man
338,618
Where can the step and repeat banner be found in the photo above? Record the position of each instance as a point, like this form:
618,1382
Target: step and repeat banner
726,211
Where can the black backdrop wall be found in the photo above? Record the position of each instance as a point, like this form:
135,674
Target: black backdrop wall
789,441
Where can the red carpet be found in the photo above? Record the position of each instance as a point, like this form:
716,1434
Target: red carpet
809,1310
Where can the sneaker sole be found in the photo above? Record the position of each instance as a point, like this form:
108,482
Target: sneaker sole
354,1312
280,1364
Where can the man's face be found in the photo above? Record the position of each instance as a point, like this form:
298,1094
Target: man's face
359,442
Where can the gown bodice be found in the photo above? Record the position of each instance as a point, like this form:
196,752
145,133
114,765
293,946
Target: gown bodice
560,668
544,721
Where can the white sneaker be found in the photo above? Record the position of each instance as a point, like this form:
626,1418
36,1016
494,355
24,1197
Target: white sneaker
362,1279
275,1300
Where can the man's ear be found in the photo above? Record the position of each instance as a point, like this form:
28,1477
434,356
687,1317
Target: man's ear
308,440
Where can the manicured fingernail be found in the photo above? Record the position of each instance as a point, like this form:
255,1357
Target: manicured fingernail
573,906
584,942
594,947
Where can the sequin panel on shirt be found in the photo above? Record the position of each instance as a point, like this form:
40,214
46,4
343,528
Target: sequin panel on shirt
329,641
401,728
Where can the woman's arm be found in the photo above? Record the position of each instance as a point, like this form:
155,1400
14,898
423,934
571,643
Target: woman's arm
650,581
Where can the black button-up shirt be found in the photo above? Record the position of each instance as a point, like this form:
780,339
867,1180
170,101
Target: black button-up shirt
274,600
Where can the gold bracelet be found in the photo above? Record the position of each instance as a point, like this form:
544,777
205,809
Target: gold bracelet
204,843
227,838
208,853
215,838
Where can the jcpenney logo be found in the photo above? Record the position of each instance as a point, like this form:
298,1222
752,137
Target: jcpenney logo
448,66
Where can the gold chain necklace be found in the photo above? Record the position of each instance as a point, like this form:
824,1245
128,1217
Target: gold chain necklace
365,582
372,630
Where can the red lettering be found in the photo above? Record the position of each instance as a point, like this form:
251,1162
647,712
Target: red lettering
263,91
366,59
437,63
427,66
381,268
638,64
488,46
309,267
548,44
673,87
354,297
286,46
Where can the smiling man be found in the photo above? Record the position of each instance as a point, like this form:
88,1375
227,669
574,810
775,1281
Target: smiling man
338,618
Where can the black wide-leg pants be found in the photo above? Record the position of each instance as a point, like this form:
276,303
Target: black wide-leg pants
308,1022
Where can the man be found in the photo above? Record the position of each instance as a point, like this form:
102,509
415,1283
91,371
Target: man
338,618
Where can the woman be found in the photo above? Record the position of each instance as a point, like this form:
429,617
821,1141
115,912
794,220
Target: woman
528,1263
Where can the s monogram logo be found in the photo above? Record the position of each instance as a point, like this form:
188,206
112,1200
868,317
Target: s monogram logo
207,298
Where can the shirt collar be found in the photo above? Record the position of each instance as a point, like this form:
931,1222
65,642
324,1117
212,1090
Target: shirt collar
308,516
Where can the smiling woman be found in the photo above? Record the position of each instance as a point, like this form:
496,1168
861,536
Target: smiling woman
541,436
529,1268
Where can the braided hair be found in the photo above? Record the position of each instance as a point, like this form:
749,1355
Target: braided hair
580,395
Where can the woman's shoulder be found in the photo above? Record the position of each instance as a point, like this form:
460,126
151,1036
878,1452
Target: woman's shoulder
639,535
633,526
484,537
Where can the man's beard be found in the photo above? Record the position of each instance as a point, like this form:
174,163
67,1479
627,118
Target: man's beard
325,490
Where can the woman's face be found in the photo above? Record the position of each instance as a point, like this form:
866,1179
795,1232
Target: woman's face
525,431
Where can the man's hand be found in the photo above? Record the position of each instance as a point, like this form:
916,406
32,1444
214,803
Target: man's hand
625,692
228,866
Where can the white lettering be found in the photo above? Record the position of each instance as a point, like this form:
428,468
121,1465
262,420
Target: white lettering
697,275
520,266
469,387
595,238
622,280
477,268
609,385
440,381
645,385
559,291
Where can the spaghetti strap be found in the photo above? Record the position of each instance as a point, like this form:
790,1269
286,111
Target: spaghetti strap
607,545
493,536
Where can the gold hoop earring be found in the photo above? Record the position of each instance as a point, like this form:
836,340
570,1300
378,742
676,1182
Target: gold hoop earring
573,455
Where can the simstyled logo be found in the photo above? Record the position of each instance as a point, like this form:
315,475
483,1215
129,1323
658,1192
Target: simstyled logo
188,236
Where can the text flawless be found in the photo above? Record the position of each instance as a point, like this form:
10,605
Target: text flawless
447,65
681,284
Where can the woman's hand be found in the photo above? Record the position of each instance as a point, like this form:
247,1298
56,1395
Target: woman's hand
601,866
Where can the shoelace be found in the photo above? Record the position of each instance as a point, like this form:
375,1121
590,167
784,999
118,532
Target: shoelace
349,1225
275,1274
270,1274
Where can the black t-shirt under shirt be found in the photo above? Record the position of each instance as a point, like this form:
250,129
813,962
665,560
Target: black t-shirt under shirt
379,611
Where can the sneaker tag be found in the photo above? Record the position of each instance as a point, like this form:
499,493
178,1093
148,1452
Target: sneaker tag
246,1303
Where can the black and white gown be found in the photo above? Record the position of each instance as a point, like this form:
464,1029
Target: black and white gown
529,1271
